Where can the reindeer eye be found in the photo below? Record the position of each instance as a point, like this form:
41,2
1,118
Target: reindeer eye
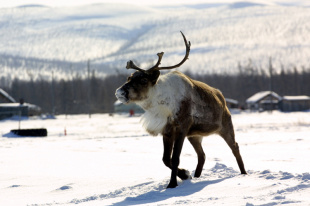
144,81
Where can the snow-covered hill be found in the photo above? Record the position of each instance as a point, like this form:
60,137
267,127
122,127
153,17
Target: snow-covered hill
110,34
112,161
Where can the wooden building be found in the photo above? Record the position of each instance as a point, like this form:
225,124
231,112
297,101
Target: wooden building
265,100
294,103
231,103
9,107
119,107
5,97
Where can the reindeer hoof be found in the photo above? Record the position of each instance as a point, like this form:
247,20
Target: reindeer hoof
172,185
184,174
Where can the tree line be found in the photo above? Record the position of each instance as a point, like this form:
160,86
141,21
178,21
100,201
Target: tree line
250,80
69,96
96,94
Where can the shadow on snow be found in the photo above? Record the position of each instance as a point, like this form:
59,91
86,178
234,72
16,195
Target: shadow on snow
184,189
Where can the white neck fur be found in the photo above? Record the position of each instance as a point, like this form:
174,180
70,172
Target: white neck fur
162,102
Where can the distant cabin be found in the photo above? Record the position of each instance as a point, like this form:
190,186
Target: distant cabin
265,100
5,97
294,103
231,103
119,107
9,107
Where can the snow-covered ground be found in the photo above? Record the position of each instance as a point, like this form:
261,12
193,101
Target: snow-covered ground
112,161
222,34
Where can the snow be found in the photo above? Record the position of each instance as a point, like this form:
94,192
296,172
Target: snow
231,101
111,160
222,35
296,98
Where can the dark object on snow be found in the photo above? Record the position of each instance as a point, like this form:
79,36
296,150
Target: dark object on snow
30,132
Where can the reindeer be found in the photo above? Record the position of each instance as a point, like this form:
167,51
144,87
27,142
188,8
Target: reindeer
177,106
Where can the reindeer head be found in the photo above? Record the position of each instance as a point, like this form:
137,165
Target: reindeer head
138,84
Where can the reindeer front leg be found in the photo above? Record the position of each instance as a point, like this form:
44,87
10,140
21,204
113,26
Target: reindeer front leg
168,146
175,161
169,143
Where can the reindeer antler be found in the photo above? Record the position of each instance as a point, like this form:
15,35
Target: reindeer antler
160,56
131,65
188,46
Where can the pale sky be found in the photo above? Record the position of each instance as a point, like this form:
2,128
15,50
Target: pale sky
57,3
60,3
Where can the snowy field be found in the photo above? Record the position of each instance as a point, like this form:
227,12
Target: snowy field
112,161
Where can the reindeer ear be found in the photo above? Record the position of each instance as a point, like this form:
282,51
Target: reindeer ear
154,76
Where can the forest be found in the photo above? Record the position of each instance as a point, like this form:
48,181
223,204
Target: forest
96,94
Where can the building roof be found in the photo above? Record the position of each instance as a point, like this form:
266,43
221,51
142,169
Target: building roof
231,101
117,102
7,96
18,105
261,95
296,98
9,105
120,107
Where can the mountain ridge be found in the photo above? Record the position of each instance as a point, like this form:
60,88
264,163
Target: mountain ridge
110,34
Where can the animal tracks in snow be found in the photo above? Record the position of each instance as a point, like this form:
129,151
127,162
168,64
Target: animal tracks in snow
88,167
219,184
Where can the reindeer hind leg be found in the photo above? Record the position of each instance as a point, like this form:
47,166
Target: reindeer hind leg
228,135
